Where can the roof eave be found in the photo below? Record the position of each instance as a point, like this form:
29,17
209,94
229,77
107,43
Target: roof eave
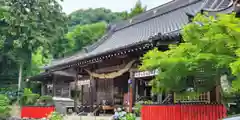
152,38
40,76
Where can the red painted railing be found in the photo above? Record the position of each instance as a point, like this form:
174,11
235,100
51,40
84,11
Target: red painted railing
36,112
183,112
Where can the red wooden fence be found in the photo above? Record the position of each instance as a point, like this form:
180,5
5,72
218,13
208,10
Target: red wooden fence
183,112
36,112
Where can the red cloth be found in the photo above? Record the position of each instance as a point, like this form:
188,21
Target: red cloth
36,112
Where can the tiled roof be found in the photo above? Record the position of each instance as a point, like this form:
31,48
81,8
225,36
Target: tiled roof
162,23
163,19
217,5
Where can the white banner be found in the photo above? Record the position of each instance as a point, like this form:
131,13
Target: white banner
83,82
141,74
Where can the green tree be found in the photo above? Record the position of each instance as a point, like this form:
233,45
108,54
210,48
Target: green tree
84,35
30,25
63,47
137,9
210,49
7,58
38,61
90,16
124,15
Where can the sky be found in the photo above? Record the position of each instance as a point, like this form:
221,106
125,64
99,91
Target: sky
115,5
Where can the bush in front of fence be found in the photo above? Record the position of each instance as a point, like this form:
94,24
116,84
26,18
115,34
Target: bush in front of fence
29,98
138,106
55,116
4,107
128,116
35,106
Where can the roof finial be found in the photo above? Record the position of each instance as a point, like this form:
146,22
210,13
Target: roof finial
237,2
190,16
237,7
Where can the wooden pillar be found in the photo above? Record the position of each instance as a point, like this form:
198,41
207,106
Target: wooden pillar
131,90
209,97
94,92
137,89
75,92
54,85
43,88
159,98
69,93
81,95
91,93
218,97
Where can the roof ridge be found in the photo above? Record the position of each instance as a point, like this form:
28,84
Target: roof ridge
145,12
157,15
150,10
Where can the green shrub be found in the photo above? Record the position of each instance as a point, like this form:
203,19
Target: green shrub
128,116
55,116
11,92
137,109
45,101
4,107
29,98
138,106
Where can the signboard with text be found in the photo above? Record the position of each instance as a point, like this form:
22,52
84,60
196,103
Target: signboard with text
140,74
84,82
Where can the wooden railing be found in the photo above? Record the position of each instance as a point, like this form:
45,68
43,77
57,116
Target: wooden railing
202,98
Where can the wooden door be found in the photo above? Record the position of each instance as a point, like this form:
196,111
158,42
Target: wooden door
104,91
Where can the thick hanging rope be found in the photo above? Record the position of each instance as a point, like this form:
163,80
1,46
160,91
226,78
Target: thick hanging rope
112,74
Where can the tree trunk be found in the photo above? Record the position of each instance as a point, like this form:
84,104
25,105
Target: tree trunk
20,76
20,79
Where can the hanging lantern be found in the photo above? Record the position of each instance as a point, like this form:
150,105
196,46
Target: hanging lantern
129,81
